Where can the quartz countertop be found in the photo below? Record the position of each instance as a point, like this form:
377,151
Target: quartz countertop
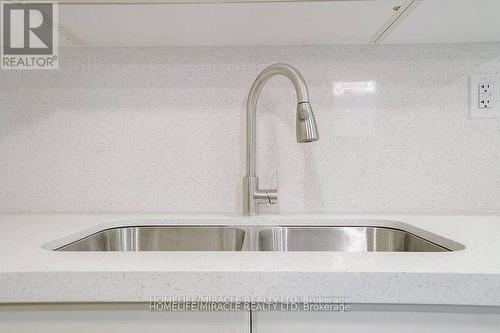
32,273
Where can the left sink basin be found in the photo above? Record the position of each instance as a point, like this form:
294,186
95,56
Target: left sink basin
163,238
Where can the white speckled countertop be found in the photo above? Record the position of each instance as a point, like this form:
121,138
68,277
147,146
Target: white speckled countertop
30,273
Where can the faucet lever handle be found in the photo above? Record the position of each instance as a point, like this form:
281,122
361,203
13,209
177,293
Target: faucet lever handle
266,196
272,194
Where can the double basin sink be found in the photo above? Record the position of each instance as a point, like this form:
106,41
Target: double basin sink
361,236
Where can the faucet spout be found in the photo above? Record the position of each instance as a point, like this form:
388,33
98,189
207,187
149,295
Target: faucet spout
306,131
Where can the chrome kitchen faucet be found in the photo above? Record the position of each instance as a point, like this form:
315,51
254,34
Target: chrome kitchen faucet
306,131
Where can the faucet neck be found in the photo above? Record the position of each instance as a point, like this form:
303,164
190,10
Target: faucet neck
251,129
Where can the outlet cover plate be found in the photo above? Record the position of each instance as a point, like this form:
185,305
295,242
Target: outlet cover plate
484,96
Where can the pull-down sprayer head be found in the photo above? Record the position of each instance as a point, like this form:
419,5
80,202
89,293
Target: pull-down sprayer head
306,124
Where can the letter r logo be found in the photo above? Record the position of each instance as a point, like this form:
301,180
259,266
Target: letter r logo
27,28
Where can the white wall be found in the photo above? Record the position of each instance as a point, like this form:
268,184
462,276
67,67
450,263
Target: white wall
163,130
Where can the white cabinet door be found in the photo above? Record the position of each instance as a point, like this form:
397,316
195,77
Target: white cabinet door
381,320
123,318
261,23
449,21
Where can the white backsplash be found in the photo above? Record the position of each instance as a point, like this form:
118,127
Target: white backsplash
163,130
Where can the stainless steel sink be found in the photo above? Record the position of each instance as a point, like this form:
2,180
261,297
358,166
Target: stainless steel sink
345,239
146,238
345,236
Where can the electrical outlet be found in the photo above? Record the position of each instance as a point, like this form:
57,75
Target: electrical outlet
484,88
484,96
485,101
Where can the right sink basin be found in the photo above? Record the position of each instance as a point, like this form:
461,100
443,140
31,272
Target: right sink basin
350,239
